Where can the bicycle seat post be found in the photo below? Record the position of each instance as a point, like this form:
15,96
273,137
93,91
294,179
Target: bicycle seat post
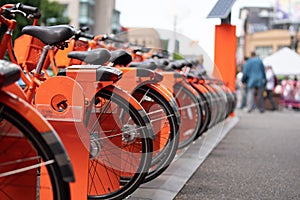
42,58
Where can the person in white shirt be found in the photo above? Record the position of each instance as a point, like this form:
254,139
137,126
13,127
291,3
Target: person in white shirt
241,91
270,85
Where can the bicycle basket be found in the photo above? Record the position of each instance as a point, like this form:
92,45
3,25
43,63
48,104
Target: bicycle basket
28,50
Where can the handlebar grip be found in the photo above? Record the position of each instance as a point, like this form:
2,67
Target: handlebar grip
86,35
84,28
89,36
114,39
28,9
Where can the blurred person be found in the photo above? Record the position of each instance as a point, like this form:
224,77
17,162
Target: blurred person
270,85
239,86
296,92
295,80
254,78
287,90
241,90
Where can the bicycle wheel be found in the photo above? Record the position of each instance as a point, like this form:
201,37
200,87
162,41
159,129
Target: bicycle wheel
213,102
121,145
28,168
166,129
217,102
205,105
190,113
222,101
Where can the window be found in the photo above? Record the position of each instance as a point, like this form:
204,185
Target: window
86,15
282,46
264,51
83,12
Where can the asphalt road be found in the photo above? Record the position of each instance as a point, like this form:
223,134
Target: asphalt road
258,159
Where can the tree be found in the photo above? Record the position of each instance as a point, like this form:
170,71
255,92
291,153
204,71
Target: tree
53,13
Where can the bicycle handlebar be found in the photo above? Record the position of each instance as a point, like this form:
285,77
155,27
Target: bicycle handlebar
79,34
108,37
29,10
26,10
104,37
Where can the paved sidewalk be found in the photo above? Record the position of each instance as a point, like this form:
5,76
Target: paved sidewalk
258,159
167,185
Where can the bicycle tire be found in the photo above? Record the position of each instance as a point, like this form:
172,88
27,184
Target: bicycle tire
223,101
214,106
17,132
167,136
191,113
219,102
123,174
206,110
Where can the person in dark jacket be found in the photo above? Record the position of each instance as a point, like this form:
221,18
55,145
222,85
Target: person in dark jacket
254,77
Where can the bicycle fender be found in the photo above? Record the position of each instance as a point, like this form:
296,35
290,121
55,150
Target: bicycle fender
168,96
45,129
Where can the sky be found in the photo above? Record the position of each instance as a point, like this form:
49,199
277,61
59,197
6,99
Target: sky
191,17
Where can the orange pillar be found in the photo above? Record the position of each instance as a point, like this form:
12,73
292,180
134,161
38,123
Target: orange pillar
225,54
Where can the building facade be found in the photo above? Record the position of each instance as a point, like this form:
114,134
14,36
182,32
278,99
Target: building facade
267,42
99,15
261,34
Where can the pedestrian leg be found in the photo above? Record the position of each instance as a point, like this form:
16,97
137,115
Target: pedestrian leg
261,102
270,97
250,99
244,98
